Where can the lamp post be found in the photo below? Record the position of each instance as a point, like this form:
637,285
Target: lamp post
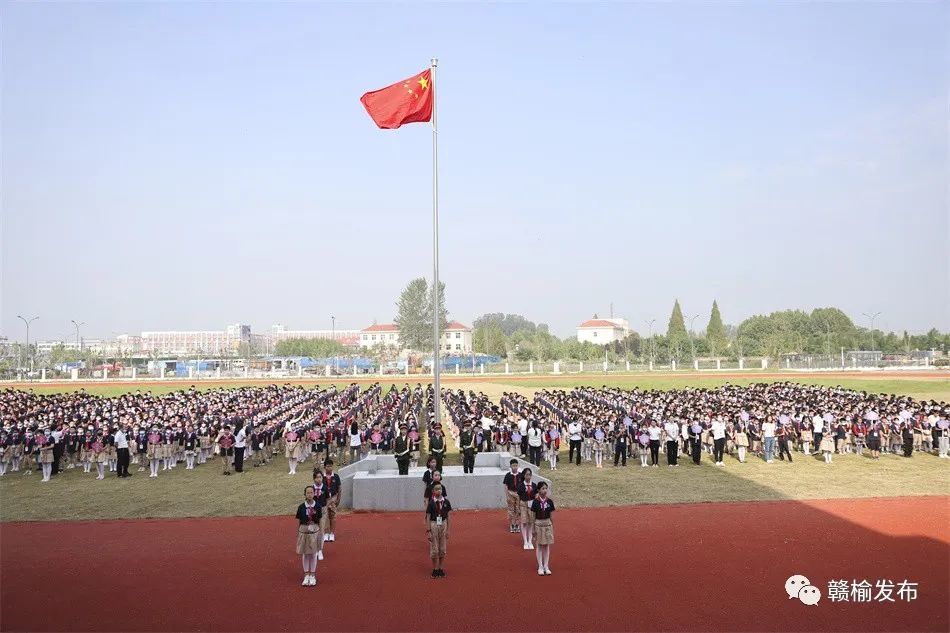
692,345
652,341
27,323
78,340
872,317
333,340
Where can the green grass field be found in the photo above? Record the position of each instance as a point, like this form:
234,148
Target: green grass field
270,490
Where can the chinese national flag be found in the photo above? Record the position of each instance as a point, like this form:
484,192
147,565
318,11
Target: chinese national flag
408,101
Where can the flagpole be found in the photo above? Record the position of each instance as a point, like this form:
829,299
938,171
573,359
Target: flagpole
436,313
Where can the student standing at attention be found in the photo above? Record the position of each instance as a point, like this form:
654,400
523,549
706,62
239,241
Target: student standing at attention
511,481
541,508
308,534
437,529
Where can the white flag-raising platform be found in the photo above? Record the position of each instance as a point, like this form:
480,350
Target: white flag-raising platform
374,483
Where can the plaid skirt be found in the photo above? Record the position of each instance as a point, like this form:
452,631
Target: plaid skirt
543,532
309,539
527,516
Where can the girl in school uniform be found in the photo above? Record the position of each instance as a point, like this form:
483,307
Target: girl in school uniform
542,507
741,439
333,483
827,446
204,443
643,446
292,449
100,457
437,528
807,437
154,451
527,490
86,456
308,531
600,442
552,440
587,447
45,445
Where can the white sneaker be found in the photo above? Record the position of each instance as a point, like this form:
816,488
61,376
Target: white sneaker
526,546
326,537
319,554
547,571
306,581
540,571
332,537
530,545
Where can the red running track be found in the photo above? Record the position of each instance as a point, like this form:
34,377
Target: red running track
672,568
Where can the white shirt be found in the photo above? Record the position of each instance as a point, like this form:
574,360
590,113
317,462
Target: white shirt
768,429
355,439
654,432
534,437
672,431
240,439
120,439
522,426
817,422
575,430
718,429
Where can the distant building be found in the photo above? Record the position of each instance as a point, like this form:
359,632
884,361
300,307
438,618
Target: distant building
603,331
350,338
189,342
380,334
456,338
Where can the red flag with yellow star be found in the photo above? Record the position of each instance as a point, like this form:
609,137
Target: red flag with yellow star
408,101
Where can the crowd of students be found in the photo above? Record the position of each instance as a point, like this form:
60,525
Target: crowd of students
762,420
236,427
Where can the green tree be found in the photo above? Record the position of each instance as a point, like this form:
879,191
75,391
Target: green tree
414,314
676,330
715,332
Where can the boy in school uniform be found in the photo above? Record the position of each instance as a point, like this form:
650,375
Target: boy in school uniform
511,481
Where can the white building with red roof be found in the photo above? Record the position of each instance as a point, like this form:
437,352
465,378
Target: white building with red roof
602,331
456,338
380,334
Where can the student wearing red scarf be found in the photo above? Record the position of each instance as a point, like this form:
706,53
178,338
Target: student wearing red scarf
541,508
437,529
309,514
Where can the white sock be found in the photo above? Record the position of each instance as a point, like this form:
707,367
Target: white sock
547,554
539,556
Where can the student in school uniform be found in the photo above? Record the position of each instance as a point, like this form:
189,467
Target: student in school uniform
100,457
510,482
154,451
600,443
402,449
827,446
741,439
225,442
655,432
430,468
621,441
436,479
45,445
437,529
437,446
542,507
552,442
320,494
308,531
292,447
527,490
333,499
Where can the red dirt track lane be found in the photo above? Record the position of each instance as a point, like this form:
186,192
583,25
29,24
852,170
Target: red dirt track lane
672,568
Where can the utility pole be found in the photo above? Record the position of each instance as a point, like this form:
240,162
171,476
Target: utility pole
28,351
872,317
78,340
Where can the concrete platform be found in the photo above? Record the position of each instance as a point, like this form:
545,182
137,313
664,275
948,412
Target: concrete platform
374,483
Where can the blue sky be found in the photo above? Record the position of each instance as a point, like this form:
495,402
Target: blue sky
189,165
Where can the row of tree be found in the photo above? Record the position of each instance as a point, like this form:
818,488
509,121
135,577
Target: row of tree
824,331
